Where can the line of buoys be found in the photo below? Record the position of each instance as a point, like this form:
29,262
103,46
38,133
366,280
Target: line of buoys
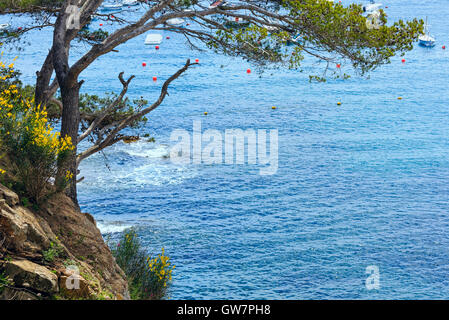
154,78
248,71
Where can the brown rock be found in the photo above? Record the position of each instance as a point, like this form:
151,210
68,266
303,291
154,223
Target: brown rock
10,197
28,274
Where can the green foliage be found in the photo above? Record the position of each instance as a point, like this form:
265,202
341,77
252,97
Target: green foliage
24,5
4,281
93,105
148,278
32,145
53,252
330,32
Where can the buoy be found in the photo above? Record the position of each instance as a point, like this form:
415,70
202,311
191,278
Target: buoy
157,47
338,65
205,113
403,60
273,107
112,17
399,98
248,71
167,37
154,78
236,19
19,28
444,47
197,60
144,64
339,103
101,24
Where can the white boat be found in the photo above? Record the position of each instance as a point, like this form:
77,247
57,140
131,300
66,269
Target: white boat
111,7
217,3
371,7
426,40
175,22
4,26
153,38
129,3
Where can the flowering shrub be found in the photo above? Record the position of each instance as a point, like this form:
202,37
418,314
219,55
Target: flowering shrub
32,145
148,278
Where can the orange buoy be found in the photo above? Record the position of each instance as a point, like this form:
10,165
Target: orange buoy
248,71
157,47
144,64
154,78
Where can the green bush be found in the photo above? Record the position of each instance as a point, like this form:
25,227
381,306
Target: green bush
33,147
148,278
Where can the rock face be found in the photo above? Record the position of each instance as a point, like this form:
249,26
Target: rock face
28,274
56,252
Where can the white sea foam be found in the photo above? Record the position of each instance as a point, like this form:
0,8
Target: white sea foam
112,227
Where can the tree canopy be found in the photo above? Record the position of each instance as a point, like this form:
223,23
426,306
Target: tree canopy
264,32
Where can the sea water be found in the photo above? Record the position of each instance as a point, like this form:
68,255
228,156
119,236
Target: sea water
360,184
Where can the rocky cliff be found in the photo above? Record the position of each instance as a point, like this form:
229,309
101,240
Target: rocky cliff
54,252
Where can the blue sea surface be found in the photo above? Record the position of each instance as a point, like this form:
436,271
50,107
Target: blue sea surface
359,184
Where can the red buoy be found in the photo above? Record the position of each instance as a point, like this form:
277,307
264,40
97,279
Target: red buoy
444,47
144,64
154,78
157,47
236,19
19,28
167,37
101,24
338,65
403,60
248,71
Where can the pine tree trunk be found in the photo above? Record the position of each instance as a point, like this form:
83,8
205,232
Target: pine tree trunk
69,127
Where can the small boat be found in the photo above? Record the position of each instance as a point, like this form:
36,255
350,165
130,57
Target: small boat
175,22
153,38
111,7
130,3
217,3
426,40
4,26
371,7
